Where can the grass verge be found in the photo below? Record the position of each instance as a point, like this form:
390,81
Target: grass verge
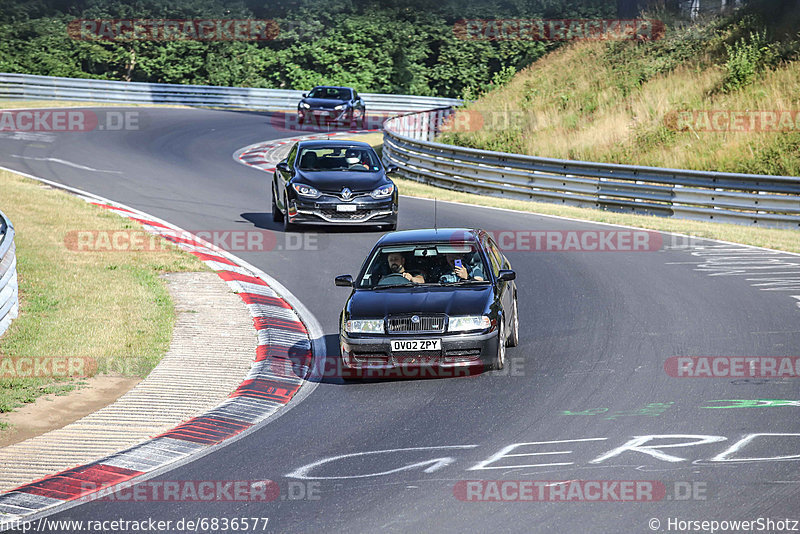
108,306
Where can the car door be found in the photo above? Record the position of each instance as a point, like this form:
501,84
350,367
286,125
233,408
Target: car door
505,290
282,177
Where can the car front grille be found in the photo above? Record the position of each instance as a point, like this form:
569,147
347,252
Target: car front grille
346,215
423,324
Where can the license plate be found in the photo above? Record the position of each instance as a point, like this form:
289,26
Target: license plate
345,207
407,345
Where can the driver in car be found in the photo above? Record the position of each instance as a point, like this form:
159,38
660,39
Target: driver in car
460,269
397,265
355,160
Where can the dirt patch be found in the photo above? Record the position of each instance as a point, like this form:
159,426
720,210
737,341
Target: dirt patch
50,412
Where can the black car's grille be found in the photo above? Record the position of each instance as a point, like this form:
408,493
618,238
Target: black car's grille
346,215
422,324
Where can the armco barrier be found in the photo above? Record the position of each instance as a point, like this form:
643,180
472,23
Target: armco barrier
9,302
24,86
771,201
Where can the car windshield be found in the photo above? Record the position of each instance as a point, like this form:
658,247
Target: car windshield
330,93
339,158
429,264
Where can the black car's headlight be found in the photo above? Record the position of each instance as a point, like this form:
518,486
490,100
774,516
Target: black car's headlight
469,323
306,191
383,192
340,107
304,105
364,326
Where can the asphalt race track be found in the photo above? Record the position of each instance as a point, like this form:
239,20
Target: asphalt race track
596,330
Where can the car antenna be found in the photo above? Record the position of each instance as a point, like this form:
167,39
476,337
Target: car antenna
434,214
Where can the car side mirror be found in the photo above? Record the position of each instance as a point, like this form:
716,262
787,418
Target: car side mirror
304,95
283,166
344,280
392,169
506,275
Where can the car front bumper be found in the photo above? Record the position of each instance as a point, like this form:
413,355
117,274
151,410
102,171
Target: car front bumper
367,211
460,355
324,115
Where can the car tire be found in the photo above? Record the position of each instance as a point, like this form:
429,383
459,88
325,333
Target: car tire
513,335
277,215
287,226
363,119
390,227
500,358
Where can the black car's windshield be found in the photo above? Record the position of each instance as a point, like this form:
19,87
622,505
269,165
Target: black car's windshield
428,264
341,158
330,93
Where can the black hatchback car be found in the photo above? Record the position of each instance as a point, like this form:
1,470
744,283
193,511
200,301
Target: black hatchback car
325,104
441,298
334,182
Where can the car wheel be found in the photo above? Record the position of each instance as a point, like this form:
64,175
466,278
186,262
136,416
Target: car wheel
500,360
513,335
277,215
287,226
390,227
353,120
363,119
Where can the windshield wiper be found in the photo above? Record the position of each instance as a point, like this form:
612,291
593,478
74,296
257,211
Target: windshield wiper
393,285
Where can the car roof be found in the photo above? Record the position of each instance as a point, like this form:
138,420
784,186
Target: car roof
320,143
430,235
331,87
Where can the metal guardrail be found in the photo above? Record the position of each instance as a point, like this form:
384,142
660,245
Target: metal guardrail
770,201
24,86
9,301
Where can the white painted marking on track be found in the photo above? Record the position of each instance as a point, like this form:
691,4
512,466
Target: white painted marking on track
433,464
65,162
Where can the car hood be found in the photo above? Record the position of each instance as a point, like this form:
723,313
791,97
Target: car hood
375,303
324,103
334,181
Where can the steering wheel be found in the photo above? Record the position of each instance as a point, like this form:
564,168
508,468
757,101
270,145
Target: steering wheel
392,279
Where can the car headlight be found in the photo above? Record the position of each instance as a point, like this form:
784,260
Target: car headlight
304,105
364,326
383,191
340,107
468,323
306,191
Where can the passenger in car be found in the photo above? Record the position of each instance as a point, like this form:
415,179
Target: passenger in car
457,267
